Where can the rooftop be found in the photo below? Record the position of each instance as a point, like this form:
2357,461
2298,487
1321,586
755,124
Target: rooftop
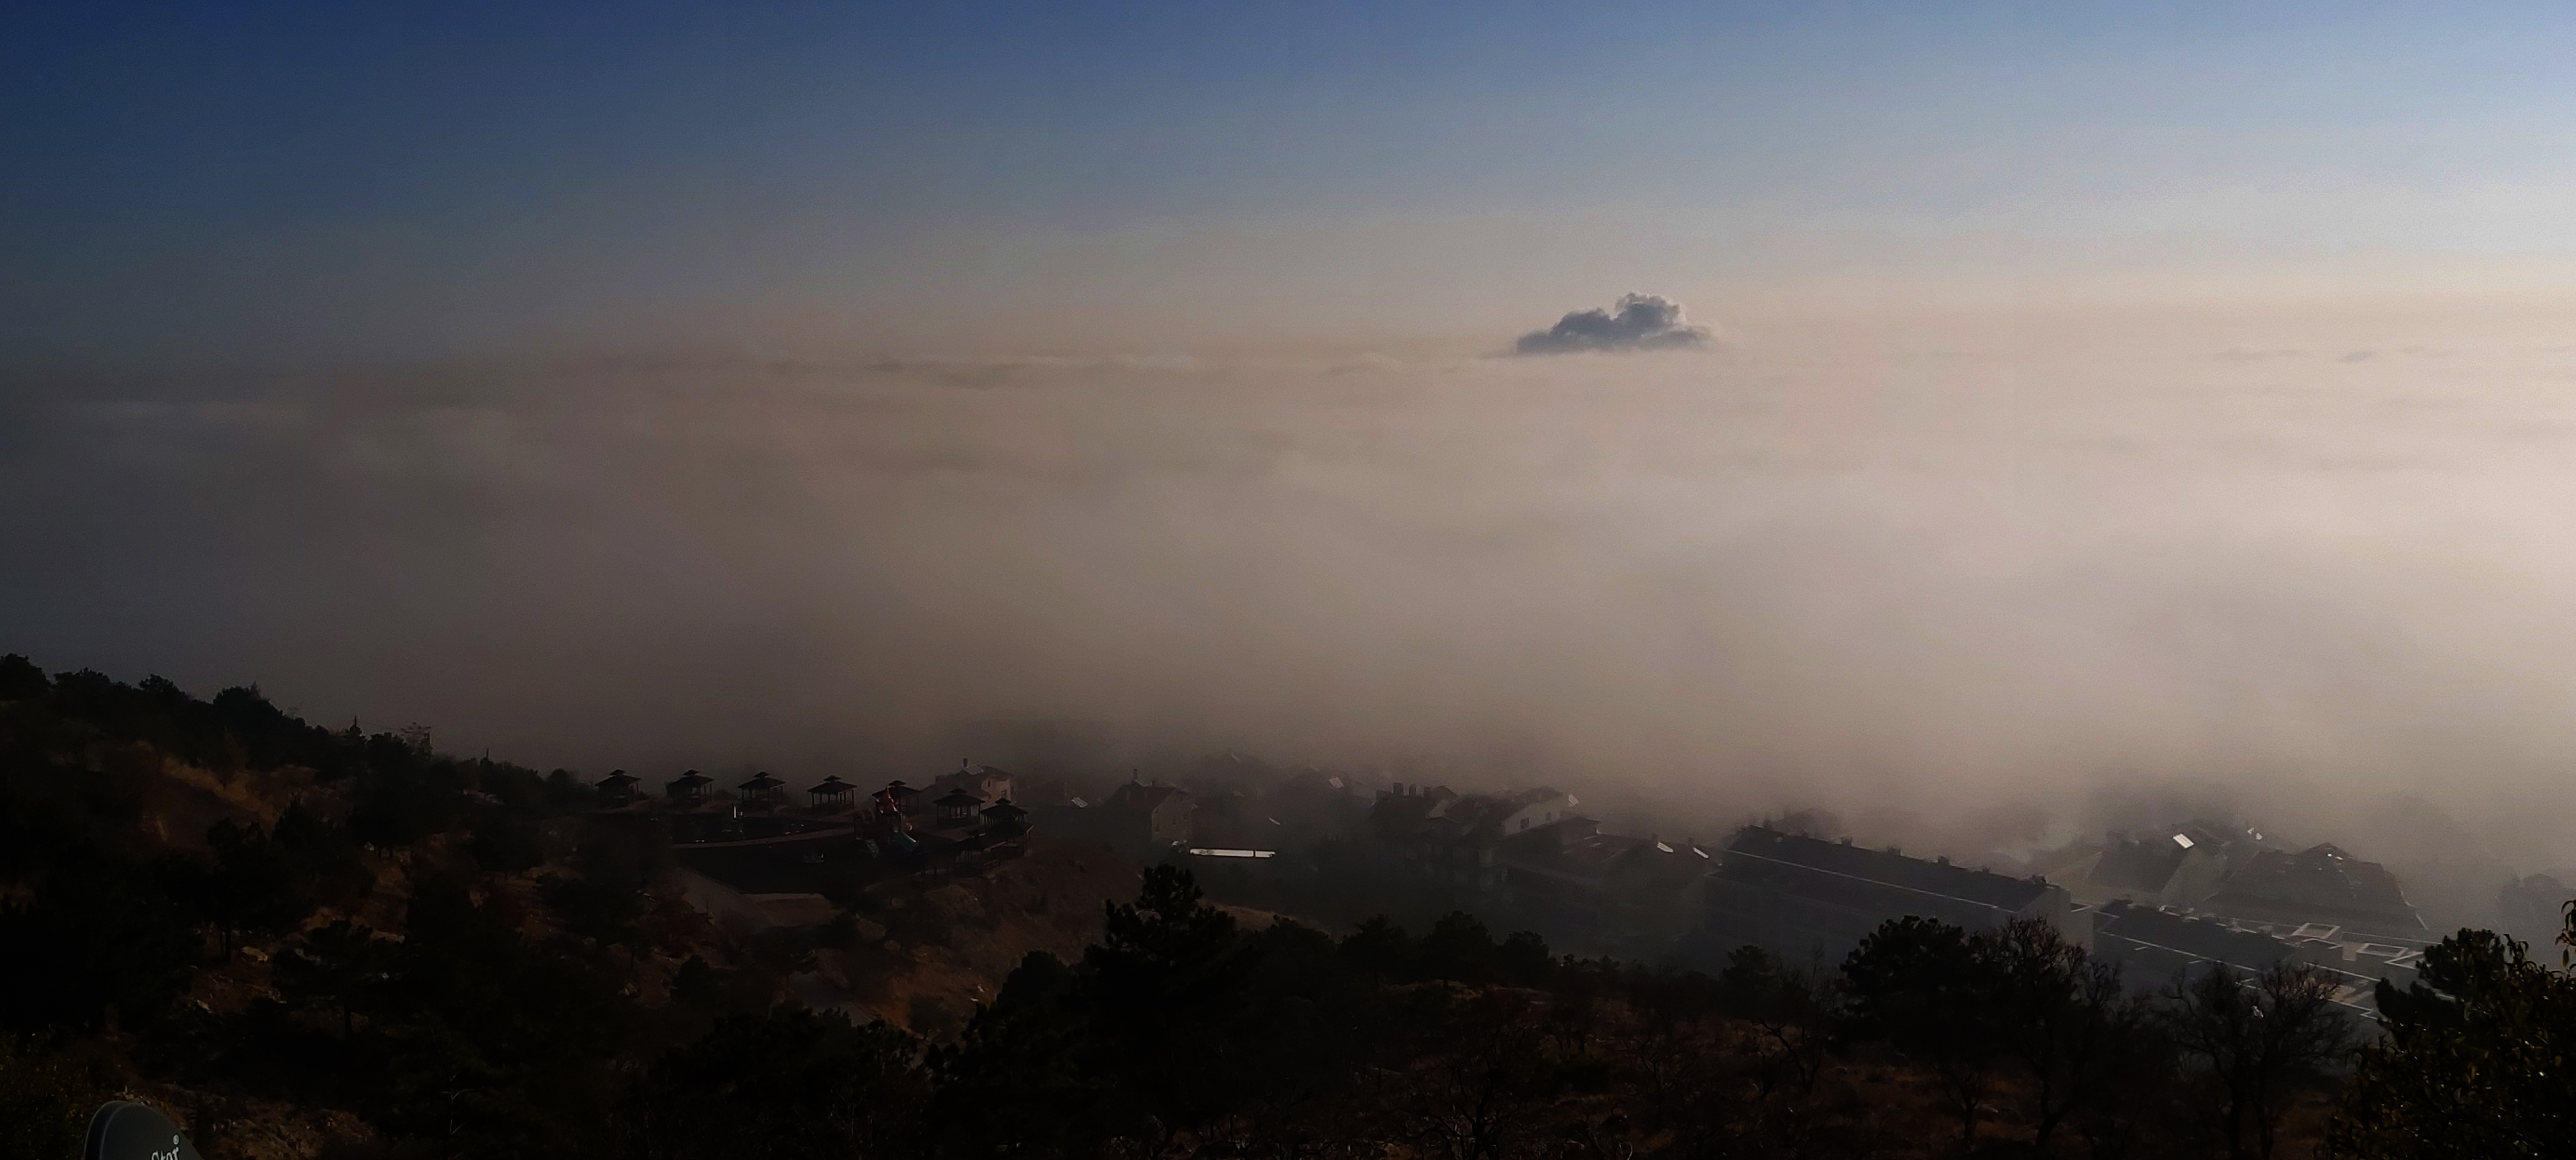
1475,811
2323,879
1139,796
1885,867
2143,864
1400,815
2199,938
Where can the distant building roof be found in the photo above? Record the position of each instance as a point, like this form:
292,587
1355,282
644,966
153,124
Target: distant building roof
978,778
2193,937
1397,817
1312,782
2130,864
1490,809
2321,881
1138,796
1468,811
1574,848
1886,867
1473,818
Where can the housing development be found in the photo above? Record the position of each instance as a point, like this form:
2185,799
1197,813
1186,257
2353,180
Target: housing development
2156,903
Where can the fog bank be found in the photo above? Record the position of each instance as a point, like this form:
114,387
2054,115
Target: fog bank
2309,569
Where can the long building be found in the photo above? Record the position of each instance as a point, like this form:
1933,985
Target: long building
2319,885
1799,895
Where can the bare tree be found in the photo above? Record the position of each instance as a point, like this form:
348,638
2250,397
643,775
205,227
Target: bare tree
2061,1014
2256,1043
1486,1084
1790,1013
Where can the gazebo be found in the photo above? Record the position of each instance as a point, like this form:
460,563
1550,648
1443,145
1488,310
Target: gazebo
618,787
688,787
761,790
1004,819
958,807
899,795
832,792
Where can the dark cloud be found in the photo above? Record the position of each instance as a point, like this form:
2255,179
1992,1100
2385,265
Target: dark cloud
1635,322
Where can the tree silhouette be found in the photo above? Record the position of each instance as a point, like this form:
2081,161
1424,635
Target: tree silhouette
2475,1062
789,1085
2060,1014
2256,1044
1919,984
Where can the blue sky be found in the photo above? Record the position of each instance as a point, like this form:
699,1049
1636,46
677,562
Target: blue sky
246,181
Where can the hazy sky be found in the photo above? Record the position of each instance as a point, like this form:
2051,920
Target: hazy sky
2068,396
330,181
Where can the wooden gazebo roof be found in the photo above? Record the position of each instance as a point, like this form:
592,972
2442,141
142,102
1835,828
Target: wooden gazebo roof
958,799
692,780
833,786
1004,811
618,779
762,784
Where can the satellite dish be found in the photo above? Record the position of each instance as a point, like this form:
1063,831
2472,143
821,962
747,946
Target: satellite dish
124,1130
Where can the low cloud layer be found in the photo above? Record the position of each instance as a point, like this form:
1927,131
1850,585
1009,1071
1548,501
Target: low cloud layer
1949,576
1634,322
